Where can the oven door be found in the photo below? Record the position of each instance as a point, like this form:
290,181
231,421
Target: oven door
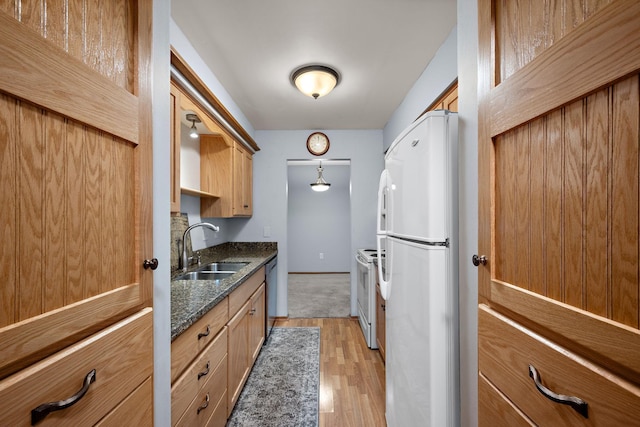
363,289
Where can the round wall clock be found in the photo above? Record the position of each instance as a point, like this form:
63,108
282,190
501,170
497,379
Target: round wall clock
318,143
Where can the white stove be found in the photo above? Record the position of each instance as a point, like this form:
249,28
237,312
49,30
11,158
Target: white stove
367,294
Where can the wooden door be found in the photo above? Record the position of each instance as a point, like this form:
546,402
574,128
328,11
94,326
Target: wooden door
75,171
559,173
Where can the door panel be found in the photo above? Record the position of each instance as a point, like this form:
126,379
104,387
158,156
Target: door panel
586,204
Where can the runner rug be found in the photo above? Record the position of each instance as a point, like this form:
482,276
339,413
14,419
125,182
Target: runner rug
283,387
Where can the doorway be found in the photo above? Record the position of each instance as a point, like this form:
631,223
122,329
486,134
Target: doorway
319,239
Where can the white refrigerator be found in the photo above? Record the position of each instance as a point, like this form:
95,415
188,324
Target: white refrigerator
418,271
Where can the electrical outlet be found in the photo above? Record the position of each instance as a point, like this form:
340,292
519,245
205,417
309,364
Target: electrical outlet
321,255
267,231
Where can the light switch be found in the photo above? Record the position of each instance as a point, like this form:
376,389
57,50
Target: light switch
267,231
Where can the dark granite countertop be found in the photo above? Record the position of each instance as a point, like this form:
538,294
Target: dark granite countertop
192,299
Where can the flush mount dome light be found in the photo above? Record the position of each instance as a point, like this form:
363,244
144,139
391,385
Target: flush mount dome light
315,80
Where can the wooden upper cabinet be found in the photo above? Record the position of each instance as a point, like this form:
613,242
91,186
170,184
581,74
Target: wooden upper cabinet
76,172
242,181
226,167
226,164
559,123
448,101
225,170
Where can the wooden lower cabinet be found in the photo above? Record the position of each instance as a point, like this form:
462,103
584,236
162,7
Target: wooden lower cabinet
246,336
186,347
203,383
238,354
610,399
257,318
121,361
135,410
211,360
495,410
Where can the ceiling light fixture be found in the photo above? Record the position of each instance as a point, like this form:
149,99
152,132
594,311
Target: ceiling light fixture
315,80
320,184
193,118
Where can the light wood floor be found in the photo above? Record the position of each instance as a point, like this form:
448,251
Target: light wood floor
351,374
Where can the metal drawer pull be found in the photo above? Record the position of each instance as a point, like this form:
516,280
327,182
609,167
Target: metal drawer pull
576,403
45,409
205,333
204,404
203,373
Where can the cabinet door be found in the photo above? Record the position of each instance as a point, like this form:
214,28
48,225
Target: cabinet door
247,183
257,322
559,167
242,181
238,354
76,170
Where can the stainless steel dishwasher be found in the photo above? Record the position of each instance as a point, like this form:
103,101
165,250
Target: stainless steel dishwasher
272,295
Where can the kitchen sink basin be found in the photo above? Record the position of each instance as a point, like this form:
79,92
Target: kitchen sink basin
223,266
205,275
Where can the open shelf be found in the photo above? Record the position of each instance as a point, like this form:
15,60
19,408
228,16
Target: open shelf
197,193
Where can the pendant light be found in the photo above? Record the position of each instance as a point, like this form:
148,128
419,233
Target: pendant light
193,118
315,80
320,184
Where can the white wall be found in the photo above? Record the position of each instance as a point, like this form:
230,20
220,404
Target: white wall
161,223
441,71
182,45
362,147
468,167
319,223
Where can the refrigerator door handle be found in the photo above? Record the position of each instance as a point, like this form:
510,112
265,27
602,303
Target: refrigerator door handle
384,258
383,203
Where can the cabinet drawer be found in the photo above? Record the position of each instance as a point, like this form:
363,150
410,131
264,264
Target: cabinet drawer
495,410
192,341
122,356
241,294
185,389
211,399
507,349
135,410
219,416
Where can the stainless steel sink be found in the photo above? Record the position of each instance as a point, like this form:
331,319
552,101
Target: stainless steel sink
223,266
205,275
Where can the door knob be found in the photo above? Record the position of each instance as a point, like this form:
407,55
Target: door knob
477,260
150,264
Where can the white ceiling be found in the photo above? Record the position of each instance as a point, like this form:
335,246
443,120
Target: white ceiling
379,47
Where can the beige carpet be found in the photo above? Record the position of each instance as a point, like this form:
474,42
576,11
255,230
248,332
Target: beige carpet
319,295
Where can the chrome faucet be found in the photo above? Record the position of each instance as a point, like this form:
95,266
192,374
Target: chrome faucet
184,238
